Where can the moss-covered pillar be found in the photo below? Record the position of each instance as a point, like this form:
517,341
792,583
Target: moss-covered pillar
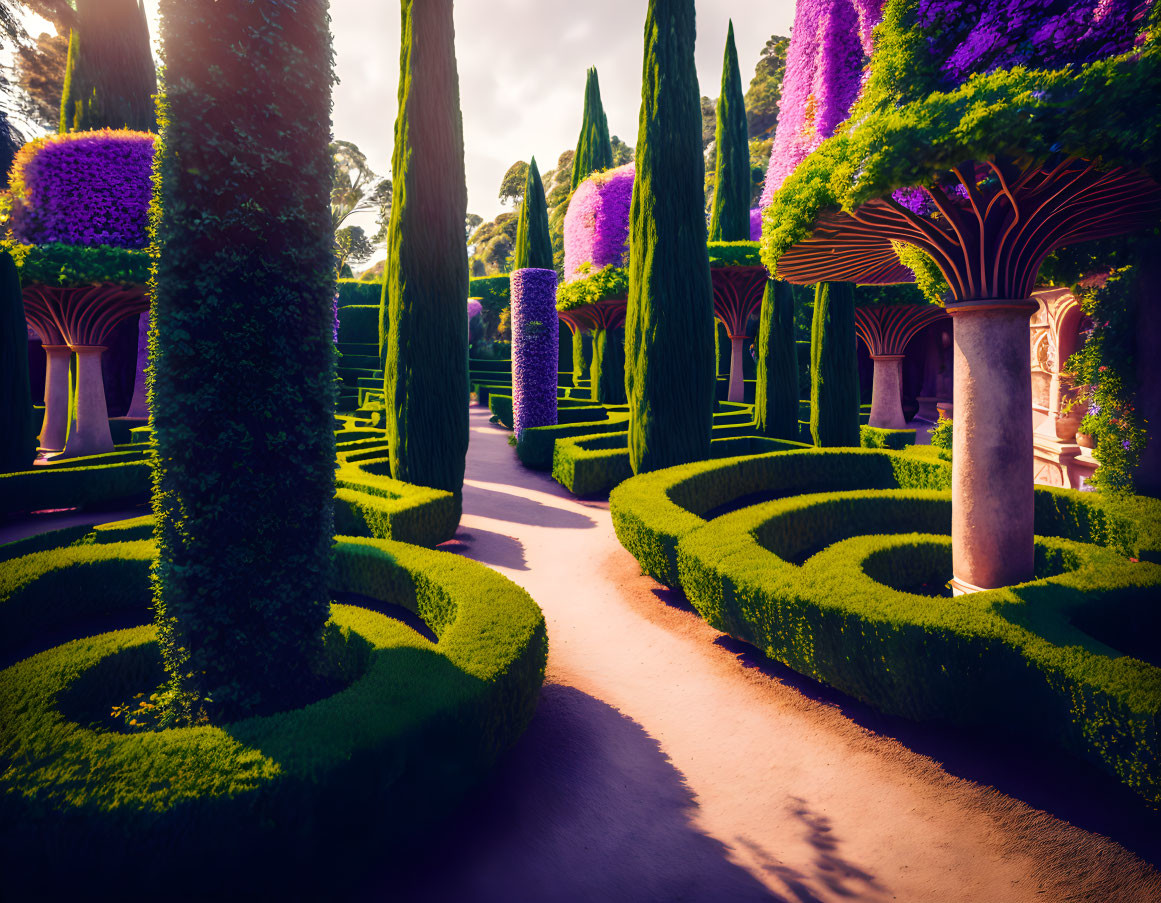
89,433
887,393
55,428
991,491
535,346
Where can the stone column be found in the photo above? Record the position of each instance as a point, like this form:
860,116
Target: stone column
991,491
55,428
89,434
139,406
887,393
737,390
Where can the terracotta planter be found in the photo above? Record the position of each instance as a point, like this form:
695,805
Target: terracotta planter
1084,440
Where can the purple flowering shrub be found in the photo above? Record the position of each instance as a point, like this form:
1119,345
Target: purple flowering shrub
84,188
755,224
829,45
535,334
974,36
596,227
475,321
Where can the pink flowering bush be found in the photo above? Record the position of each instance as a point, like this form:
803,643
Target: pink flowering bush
535,349
825,62
596,227
84,188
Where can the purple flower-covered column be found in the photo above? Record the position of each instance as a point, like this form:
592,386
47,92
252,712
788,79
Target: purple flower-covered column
535,334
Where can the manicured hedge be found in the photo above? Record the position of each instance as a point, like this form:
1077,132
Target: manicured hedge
359,323
269,803
1011,659
121,480
876,437
535,448
353,293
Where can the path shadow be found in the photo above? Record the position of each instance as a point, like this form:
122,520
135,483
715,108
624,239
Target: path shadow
518,509
1039,774
487,547
585,808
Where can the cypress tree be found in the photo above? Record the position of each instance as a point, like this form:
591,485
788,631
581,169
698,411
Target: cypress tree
533,246
17,442
776,398
594,150
670,320
110,78
730,214
425,292
834,370
607,370
582,354
244,445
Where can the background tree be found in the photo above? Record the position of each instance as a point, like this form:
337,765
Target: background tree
41,67
471,223
594,150
492,245
669,324
17,440
765,92
776,393
533,245
110,78
241,578
424,295
512,185
352,247
834,369
730,211
622,153
355,188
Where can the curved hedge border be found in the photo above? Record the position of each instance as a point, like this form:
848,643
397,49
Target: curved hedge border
794,577
368,766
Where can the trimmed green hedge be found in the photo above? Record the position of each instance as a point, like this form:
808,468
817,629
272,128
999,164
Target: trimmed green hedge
126,478
536,447
1010,658
501,408
876,437
359,323
271,801
353,293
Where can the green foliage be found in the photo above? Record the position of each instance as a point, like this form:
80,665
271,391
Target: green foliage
417,725
734,253
607,282
876,437
537,446
17,430
776,395
71,265
607,368
730,213
351,246
765,92
941,436
241,577
356,189
492,245
357,293
85,483
359,323
425,295
533,244
594,150
493,292
834,373
512,185
582,354
109,76
670,321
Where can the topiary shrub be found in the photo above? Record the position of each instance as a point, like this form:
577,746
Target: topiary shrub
834,372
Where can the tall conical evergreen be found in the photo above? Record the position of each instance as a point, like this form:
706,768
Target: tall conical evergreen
776,396
110,78
607,368
533,245
244,444
17,443
594,150
582,354
425,292
669,326
834,369
730,214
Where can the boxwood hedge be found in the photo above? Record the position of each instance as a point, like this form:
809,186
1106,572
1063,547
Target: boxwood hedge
268,803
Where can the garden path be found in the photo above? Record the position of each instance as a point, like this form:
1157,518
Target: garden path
669,762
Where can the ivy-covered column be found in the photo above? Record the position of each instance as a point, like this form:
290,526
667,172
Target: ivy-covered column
535,345
243,390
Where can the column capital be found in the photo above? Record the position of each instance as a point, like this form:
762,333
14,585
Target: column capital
992,305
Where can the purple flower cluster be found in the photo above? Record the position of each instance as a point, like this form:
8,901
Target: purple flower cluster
84,188
829,44
755,224
596,227
535,338
973,36
475,321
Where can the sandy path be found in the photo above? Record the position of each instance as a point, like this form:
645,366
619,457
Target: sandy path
667,762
